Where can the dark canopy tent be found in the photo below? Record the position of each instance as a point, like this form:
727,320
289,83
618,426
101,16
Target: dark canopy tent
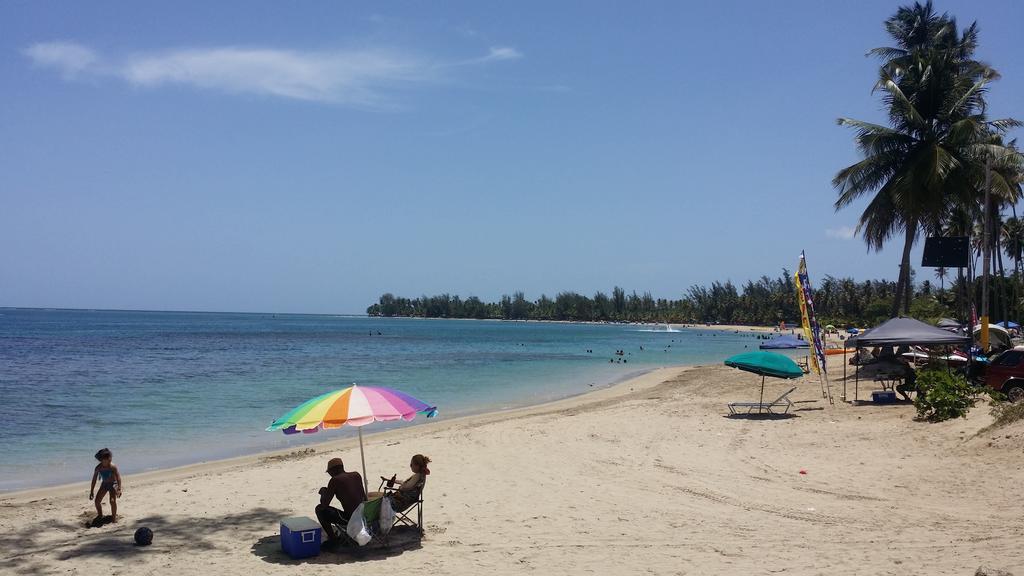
905,332
948,324
784,341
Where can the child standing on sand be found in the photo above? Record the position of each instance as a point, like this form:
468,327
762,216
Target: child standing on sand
110,483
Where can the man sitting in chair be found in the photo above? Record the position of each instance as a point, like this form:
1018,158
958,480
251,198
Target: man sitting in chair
347,487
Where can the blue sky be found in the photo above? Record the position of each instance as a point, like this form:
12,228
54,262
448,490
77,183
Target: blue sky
306,157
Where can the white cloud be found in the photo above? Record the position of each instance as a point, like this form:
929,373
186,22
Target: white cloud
494,54
502,53
69,58
345,77
841,233
355,77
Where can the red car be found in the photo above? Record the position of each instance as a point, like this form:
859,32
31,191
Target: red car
1006,374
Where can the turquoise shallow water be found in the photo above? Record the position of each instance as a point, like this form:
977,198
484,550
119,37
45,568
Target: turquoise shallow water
168,388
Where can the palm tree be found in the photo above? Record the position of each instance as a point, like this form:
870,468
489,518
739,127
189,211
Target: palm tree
1005,167
1012,236
940,274
928,156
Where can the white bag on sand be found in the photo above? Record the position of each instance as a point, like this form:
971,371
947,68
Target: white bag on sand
357,529
387,516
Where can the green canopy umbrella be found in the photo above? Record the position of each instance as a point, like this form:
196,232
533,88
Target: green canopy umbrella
765,364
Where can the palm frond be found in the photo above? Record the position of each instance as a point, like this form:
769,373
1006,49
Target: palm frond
876,139
887,53
860,179
879,222
965,100
1005,124
902,110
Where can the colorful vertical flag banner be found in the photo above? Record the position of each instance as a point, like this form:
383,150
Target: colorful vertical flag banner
812,331
804,322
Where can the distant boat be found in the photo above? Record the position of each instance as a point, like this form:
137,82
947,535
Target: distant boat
668,329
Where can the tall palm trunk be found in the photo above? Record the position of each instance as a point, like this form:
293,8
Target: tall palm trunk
1004,296
961,287
908,289
998,293
902,285
1015,290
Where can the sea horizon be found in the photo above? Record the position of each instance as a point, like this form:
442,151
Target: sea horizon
365,315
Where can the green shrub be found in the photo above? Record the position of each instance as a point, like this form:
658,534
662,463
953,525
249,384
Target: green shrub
1006,413
942,395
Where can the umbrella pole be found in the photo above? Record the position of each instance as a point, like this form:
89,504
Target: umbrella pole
844,371
760,406
362,457
856,383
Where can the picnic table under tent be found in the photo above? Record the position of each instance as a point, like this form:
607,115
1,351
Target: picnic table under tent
902,332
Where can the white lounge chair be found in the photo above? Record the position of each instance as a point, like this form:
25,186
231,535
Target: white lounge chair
782,402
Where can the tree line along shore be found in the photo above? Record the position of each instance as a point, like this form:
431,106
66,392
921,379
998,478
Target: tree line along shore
765,301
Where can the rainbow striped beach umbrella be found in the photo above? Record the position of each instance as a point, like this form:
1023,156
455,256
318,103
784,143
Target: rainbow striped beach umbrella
355,406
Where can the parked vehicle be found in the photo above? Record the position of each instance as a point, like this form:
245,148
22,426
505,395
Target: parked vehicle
1005,373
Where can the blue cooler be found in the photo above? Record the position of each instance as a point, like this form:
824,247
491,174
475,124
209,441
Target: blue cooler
300,537
883,396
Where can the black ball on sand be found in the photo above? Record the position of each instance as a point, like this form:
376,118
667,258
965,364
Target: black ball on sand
143,536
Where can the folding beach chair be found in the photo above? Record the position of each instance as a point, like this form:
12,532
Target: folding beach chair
782,402
804,364
413,503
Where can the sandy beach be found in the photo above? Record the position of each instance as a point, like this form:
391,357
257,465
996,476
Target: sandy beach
648,476
735,328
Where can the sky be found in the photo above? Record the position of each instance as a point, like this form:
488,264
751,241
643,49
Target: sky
308,156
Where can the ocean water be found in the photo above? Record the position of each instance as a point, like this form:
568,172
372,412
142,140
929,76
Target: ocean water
169,388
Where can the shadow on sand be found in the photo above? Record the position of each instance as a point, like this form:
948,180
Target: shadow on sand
401,540
99,522
27,550
761,416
